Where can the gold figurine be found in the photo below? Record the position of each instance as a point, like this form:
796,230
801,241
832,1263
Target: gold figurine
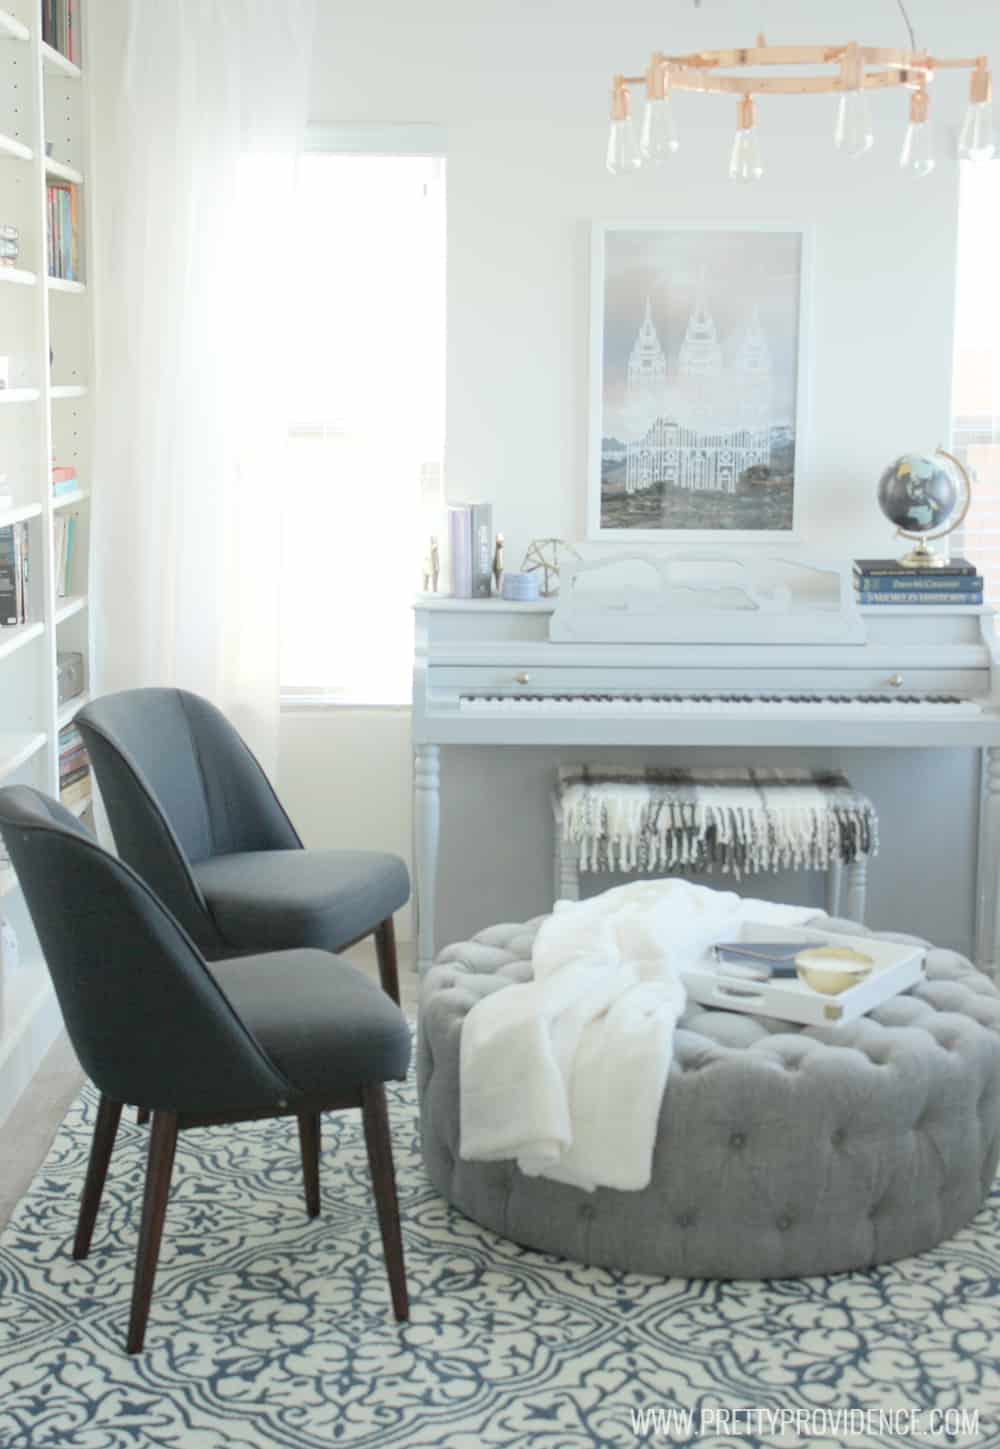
498,564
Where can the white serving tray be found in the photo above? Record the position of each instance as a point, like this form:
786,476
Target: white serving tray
896,968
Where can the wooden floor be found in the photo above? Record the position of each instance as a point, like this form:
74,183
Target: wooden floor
27,1134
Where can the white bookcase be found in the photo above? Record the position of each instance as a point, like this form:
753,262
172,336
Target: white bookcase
45,418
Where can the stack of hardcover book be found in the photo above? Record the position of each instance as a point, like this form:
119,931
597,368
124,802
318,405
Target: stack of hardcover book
63,232
74,768
470,543
887,581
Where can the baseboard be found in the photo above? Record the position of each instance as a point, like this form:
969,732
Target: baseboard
33,1029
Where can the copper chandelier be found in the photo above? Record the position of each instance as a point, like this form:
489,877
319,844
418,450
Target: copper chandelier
856,70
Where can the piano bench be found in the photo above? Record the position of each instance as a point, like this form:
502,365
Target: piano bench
737,822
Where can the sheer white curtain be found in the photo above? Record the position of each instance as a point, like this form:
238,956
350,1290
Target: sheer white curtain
196,181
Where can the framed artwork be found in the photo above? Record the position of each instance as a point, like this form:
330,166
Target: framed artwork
698,395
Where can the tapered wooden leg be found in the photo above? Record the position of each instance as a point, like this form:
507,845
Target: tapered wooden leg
379,1144
105,1129
309,1132
162,1146
141,1116
385,950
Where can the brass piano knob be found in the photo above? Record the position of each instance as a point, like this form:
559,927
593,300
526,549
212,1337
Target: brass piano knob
523,678
896,680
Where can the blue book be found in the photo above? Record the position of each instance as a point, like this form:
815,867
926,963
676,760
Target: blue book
920,583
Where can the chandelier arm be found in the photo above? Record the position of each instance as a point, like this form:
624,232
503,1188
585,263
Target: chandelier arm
708,83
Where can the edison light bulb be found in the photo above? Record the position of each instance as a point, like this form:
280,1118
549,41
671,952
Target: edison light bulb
744,160
659,133
917,154
853,132
623,146
977,141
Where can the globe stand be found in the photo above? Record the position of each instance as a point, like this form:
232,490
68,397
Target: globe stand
921,557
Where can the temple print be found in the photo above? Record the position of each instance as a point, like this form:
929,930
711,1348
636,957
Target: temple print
700,372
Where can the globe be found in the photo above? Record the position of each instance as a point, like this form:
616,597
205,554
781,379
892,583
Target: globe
924,494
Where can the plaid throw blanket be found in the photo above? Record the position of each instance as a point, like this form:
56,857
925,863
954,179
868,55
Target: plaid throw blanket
736,821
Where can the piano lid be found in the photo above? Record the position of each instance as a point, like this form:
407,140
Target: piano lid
715,597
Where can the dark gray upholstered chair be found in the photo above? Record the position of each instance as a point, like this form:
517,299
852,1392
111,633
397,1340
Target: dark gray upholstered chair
291,1033
193,812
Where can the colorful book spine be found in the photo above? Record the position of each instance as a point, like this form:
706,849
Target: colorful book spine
864,567
8,578
482,549
460,550
924,584
967,598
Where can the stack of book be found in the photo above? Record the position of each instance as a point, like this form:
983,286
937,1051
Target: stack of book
63,232
61,27
15,603
74,768
63,539
10,244
470,542
887,581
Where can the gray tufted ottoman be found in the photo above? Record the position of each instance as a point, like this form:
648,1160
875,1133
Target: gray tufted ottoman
782,1150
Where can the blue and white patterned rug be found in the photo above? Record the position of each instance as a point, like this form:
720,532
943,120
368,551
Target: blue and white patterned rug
269,1331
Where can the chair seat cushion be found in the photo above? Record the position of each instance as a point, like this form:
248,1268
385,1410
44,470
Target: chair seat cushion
273,900
325,1024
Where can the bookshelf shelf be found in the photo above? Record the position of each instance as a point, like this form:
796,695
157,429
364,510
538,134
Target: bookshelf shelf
66,608
55,63
12,29
69,710
66,500
59,171
17,150
53,430
17,748
17,277
13,639
19,515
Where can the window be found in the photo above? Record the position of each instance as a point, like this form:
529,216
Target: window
365,450
976,388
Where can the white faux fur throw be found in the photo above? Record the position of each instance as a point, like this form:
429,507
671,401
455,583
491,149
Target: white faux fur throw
566,1073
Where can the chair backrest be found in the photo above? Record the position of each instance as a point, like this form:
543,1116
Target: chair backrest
147,1019
179,786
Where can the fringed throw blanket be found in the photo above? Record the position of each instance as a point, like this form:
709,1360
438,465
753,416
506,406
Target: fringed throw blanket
736,821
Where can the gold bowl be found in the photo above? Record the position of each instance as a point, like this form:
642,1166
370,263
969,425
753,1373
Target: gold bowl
832,969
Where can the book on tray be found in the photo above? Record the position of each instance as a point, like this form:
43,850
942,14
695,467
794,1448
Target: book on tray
886,581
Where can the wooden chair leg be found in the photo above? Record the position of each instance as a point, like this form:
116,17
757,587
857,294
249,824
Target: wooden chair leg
105,1130
309,1135
379,1144
141,1116
385,950
162,1146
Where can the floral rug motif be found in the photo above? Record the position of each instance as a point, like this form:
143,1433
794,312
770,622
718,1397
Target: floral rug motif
269,1331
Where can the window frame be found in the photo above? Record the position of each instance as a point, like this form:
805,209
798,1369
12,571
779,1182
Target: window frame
323,138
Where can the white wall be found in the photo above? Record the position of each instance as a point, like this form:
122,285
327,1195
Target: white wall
521,89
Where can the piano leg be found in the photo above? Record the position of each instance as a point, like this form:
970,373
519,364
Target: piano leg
427,835
566,874
833,879
857,885
987,896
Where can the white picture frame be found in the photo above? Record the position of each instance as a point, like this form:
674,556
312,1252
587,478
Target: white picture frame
719,399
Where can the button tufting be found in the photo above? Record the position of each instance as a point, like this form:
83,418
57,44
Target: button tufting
784,1223
738,1139
839,1137
586,1212
684,1220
